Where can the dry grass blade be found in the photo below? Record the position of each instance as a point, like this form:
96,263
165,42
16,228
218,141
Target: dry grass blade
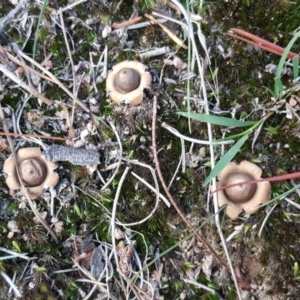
113,223
162,197
11,284
72,5
23,85
53,78
177,40
21,64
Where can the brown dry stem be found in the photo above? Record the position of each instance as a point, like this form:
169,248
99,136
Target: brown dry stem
126,23
33,136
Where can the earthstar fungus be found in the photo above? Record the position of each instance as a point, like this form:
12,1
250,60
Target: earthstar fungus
36,172
245,197
126,82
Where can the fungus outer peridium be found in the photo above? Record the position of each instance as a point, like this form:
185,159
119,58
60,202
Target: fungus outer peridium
245,197
35,171
127,81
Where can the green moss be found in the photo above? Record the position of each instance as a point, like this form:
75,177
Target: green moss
12,98
239,72
280,257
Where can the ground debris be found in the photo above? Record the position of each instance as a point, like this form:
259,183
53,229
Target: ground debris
76,156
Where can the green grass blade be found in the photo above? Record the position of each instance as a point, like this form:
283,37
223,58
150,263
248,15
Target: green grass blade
279,86
217,120
38,27
226,159
296,67
272,93
281,196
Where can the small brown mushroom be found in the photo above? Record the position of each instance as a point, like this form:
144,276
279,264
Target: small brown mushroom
245,197
36,172
127,81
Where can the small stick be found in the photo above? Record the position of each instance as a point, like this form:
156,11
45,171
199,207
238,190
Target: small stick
33,136
258,42
173,6
274,178
126,23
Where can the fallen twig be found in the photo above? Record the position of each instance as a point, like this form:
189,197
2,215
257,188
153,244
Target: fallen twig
126,23
33,136
270,179
254,40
